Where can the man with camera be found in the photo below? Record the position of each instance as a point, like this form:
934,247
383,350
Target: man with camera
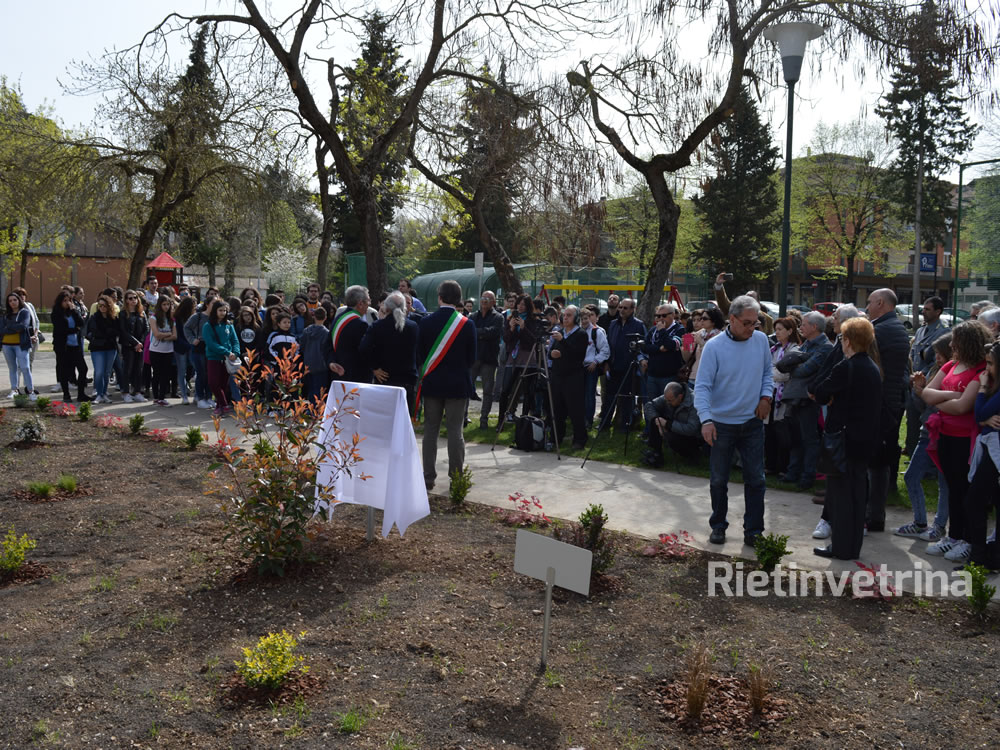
662,351
625,340
673,419
569,347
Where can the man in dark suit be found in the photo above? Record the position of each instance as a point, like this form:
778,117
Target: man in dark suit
569,347
347,330
446,352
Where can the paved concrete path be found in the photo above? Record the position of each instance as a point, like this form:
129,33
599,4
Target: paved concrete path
644,502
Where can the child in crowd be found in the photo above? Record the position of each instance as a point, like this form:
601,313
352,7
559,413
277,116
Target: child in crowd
317,355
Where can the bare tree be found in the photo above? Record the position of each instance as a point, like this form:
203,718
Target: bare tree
450,33
637,101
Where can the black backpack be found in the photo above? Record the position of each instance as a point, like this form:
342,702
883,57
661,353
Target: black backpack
529,434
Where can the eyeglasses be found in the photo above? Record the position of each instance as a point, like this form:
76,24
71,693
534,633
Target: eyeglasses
663,315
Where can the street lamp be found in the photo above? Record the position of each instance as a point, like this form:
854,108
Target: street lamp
791,39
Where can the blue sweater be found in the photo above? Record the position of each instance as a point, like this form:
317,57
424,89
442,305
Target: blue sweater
732,378
986,407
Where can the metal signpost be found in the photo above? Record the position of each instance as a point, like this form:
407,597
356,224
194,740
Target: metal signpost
555,563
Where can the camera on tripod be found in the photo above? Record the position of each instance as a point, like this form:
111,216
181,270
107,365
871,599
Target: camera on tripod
635,343
539,327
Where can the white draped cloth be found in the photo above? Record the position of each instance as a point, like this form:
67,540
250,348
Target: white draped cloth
389,448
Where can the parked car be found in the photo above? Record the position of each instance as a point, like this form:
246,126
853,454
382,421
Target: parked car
699,304
800,308
827,308
771,308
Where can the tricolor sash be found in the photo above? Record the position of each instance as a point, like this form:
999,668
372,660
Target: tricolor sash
340,324
440,348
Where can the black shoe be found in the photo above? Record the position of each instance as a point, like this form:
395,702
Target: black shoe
750,539
718,536
475,397
823,551
876,526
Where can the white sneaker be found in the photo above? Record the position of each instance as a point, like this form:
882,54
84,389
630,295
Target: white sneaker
206,404
823,530
934,533
991,539
184,401
33,396
939,548
961,552
12,394
127,398
55,388
138,398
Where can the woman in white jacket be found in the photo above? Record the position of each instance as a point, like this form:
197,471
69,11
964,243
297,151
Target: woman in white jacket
779,432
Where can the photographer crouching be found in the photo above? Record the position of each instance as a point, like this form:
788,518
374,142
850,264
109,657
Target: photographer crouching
672,419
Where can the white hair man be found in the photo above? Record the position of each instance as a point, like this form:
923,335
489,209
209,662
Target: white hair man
732,395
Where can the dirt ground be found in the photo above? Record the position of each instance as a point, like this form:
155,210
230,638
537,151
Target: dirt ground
429,641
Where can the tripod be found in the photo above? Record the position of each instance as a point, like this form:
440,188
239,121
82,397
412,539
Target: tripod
629,378
538,352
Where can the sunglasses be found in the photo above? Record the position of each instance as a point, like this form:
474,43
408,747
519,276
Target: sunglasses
663,315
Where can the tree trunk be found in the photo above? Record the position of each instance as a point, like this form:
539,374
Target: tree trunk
849,291
498,256
366,208
668,213
210,266
326,207
230,276
143,245
917,217
24,257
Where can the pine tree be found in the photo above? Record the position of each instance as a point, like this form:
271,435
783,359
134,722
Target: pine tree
738,208
368,101
928,121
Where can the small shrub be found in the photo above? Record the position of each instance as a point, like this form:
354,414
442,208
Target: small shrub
110,421
42,403
31,430
85,411
352,722
160,435
135,423
271,661
461,483
67,483
63,409
523,514
41,489
194,437
21,400
13,551
981,593
757,688
669,545
263,448
590,533
697,682
770,548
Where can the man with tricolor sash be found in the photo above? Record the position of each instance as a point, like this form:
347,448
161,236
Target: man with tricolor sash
348,329
446,351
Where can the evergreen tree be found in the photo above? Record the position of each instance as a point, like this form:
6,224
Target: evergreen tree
738,208
929,123
369,101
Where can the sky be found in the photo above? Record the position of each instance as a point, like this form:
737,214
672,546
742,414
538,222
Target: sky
52,34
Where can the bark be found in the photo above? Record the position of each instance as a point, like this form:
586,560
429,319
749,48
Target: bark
230,276
211,273
326,207
24,257
498,256
849,284
366,207
147,235
668,214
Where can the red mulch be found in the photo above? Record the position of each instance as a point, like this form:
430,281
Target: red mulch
234,692
28,572
727,708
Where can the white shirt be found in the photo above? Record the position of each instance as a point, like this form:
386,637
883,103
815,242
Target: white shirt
598,350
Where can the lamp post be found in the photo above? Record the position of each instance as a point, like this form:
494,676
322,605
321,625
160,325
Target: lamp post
958,230
791,39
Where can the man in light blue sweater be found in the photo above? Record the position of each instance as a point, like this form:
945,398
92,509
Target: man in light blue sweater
732,395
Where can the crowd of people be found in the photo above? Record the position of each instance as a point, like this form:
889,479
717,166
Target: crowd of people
801,397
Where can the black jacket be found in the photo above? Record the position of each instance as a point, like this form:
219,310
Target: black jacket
385,348
103,333
664,364
60,329
572,350
489,330
347,353
134,328
854,392
894,354
450,379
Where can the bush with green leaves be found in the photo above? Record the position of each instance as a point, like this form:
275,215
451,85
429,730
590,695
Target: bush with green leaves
85,411
41,489
194,437
21,400
271,661
135,424
461,483
770,548
270,492
980,593
14,550
590,532
31,430
67,483
42,403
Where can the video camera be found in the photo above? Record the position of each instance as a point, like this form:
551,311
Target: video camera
635,343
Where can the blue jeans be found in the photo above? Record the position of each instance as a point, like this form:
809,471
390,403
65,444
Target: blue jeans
748,439
198,361
18,359
655,386
590,394
181,360
802,462
920,467
103,362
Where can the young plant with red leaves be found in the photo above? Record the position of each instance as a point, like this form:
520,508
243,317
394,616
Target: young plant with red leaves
269,492
523,515
109,421
63,409
161,435
877,587
669,545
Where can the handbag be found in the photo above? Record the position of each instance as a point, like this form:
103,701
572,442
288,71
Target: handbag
833,448
232,366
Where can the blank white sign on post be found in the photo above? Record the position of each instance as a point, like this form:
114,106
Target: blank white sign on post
534,554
